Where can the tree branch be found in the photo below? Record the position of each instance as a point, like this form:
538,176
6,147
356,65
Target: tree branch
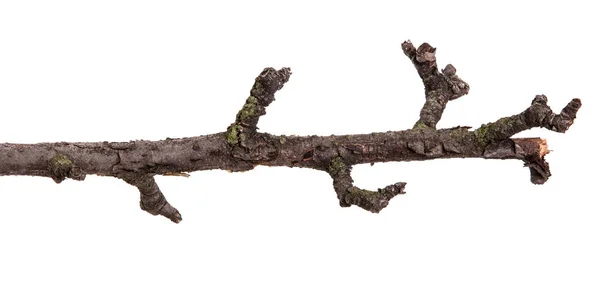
151,199
241,147
439,87
349,194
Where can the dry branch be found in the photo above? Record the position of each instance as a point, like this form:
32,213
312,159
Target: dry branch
241,147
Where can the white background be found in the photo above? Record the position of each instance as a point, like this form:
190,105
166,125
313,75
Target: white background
123,70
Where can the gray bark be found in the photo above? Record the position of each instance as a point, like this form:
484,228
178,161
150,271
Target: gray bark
241,147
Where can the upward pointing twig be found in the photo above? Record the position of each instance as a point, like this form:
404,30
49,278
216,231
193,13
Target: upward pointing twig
439,87
261,95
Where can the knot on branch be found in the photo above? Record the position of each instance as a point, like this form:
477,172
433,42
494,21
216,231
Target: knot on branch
426,53
458,87
61,167
539,112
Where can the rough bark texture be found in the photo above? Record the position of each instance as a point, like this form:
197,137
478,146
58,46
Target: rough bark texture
241,147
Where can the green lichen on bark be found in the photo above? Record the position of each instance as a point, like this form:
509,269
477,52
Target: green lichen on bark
232,134
137,162
257,89
421,125
60,167
141,181
361,193
336,166
364,198
497,131
483,136
248,110
459,132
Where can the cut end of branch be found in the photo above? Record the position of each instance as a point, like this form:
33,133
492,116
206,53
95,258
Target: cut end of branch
533,151
543,147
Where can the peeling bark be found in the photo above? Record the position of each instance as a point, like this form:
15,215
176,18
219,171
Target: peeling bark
241,147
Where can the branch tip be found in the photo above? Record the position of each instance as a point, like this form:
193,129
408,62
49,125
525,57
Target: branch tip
408,48
426,53
440,87
262,95
563,121
152,200
539,114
